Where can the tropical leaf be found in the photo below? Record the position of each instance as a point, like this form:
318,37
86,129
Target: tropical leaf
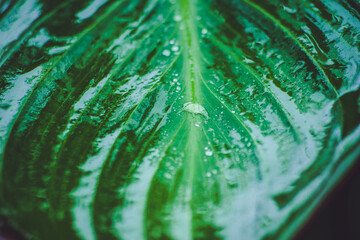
167,119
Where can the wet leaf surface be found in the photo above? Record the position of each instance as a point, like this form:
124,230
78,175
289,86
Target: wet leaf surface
175,119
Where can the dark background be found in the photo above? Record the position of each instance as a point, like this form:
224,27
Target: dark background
338,218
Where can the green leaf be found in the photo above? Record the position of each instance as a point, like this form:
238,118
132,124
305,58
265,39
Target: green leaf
175,119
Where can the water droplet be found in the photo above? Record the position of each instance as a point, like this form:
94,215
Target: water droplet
299,65
175,79
195,108
197,124
204,31
167,175
175,48
178,89
289,10
232,111
208,174
172,41
214,171
177,18
166,53
247,60
328,62
208,152
278,64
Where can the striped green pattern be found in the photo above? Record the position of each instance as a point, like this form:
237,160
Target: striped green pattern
175,119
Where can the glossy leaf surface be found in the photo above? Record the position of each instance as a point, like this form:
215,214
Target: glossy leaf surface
175,119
